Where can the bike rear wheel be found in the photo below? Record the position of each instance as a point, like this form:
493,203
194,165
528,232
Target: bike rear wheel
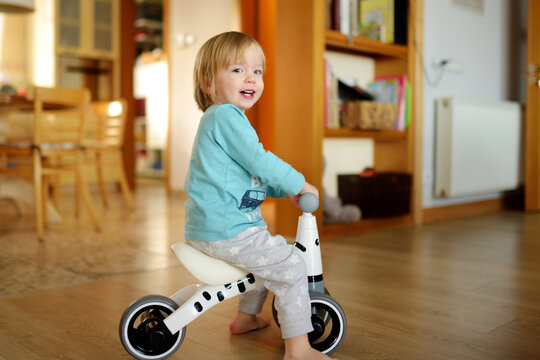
143,332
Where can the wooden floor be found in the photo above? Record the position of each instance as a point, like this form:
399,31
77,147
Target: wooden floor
462,289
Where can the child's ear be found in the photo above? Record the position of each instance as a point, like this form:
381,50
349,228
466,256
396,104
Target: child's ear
209,87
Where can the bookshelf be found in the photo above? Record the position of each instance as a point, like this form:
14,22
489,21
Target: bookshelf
296,131
394,150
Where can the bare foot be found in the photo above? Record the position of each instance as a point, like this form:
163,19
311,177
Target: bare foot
247,322
298,348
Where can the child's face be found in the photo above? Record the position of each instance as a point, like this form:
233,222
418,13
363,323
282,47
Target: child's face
241,84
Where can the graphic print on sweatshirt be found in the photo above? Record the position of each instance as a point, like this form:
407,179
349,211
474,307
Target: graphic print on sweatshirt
252,199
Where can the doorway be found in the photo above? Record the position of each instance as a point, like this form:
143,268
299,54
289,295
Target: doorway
150,90
204,19
142,32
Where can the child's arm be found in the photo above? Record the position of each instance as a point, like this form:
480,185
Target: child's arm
307,188
238,139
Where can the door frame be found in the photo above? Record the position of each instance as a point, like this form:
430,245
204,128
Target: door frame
532,123
127,62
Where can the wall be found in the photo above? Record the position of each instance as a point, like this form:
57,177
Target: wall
13,50
42,69
487,46
204,19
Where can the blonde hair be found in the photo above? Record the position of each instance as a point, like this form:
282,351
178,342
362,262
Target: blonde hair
216,54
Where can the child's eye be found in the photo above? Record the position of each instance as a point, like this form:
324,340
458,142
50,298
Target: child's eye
237,70
257,72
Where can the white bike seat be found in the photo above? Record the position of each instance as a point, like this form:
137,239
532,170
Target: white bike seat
205,268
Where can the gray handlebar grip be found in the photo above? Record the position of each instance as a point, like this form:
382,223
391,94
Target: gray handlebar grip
308,202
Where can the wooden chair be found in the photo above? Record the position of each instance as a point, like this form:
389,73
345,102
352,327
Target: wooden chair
104,145
54,148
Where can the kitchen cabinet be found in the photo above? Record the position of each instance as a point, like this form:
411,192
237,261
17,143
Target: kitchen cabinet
87,28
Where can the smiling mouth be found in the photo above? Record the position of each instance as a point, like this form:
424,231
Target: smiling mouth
247,93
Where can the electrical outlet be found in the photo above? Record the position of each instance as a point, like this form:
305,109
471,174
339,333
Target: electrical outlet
452,65
474,5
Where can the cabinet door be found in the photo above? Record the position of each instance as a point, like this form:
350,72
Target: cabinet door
87,28
103,25
69,19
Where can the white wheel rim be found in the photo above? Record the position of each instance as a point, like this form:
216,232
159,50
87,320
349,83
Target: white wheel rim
341,321
136,351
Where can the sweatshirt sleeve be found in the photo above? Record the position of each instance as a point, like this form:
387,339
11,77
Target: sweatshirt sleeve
238,139
275,192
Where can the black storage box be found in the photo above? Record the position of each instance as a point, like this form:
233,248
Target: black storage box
379,195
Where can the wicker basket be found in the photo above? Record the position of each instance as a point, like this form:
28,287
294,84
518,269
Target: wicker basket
368,115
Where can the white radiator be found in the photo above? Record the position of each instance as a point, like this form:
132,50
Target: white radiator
478,147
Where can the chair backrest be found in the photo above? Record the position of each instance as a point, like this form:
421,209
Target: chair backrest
110,122
60,115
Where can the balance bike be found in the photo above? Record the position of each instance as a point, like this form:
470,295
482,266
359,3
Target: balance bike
154,326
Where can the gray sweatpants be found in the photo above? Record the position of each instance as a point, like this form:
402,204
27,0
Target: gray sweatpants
282,270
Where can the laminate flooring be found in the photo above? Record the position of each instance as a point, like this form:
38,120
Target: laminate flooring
460,289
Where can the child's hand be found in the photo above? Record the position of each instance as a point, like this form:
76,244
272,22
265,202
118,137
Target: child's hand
308,188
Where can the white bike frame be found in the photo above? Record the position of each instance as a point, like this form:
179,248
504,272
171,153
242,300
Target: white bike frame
195,299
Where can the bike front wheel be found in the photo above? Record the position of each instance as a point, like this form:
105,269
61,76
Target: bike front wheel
329,323
328,320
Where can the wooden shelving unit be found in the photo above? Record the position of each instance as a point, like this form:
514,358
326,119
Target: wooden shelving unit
297,132
389,145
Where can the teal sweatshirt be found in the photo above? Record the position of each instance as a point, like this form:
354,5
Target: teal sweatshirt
230,174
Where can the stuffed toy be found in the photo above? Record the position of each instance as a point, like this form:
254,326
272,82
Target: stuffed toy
335,212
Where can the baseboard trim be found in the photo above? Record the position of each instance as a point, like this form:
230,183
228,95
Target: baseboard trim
449,212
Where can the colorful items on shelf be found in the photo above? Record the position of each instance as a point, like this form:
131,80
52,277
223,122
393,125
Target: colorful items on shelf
383,105
381,20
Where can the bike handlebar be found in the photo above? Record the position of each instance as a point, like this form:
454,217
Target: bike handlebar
308,202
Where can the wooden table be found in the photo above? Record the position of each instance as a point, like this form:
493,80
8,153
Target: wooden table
15,102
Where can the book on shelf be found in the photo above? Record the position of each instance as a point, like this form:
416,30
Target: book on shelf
381,20
342,15
331,98
328,14
394,89
345,17
354,17
408,106
334,9
377,20
401,9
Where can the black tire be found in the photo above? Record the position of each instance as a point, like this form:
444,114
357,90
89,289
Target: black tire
329,323
274,311
142,331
